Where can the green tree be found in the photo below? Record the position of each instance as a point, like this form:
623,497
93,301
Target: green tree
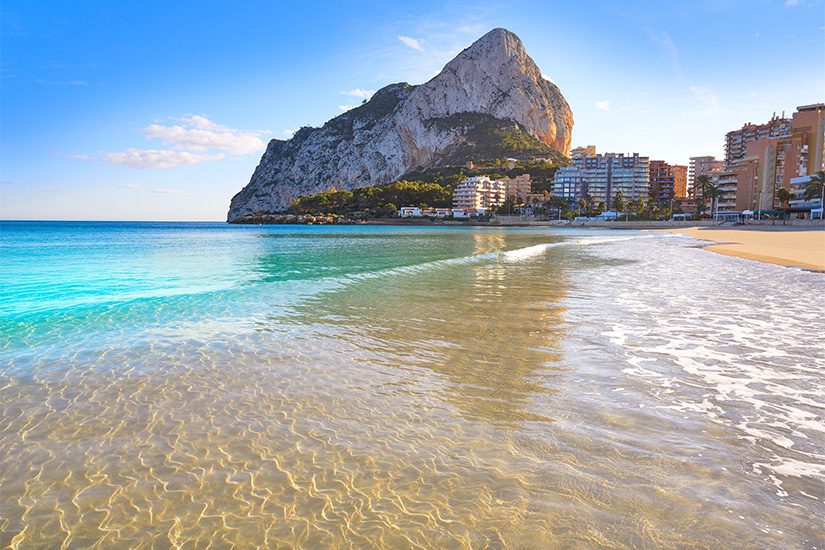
713,192
699,192
589,203
816,186
560,204
618,201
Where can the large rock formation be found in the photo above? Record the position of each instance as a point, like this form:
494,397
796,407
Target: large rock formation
492,85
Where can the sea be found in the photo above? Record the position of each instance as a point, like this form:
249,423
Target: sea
203,385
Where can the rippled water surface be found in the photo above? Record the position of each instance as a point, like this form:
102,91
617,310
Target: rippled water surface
207,385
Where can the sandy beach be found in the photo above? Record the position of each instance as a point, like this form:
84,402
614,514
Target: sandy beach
791,247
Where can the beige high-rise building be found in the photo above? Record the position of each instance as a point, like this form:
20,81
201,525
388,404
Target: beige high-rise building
700,166
517,188
584,151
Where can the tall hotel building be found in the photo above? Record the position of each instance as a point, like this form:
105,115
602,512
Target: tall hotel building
601,176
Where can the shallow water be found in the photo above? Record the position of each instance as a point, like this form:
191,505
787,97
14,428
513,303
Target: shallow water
171,384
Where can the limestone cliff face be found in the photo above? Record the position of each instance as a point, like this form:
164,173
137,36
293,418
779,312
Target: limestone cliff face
404,128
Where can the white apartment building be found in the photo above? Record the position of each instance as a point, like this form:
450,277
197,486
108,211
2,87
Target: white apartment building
479,192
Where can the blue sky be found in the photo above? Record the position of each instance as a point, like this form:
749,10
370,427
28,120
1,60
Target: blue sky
160,110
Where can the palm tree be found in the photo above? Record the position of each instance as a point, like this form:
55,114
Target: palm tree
559,203
713,192
618,201
589,202
816,186
699,191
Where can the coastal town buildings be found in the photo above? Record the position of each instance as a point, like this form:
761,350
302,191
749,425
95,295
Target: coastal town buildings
479,192
766,158
601,176
517,188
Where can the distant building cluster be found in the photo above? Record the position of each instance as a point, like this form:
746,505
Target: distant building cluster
760,160
477,196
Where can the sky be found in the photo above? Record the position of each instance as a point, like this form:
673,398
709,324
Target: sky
161,110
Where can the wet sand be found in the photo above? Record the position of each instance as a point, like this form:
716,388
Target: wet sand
775,245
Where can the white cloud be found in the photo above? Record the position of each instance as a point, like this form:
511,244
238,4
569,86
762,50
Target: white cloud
158,158
197,133
289,131
410,42
131,186
791,3
192,140
603,105
359,93
347,107
167,191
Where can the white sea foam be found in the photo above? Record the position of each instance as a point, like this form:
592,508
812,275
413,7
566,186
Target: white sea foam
735,342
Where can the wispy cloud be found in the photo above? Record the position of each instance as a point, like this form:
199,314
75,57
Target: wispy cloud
668,47
347,107
167,191
192,140
359,93
158,158
62,82
78,156
131,186
791,3
410,42
603,105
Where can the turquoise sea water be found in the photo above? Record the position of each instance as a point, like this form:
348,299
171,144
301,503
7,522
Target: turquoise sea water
175,383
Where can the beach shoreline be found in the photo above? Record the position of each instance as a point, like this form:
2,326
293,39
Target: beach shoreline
780,245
